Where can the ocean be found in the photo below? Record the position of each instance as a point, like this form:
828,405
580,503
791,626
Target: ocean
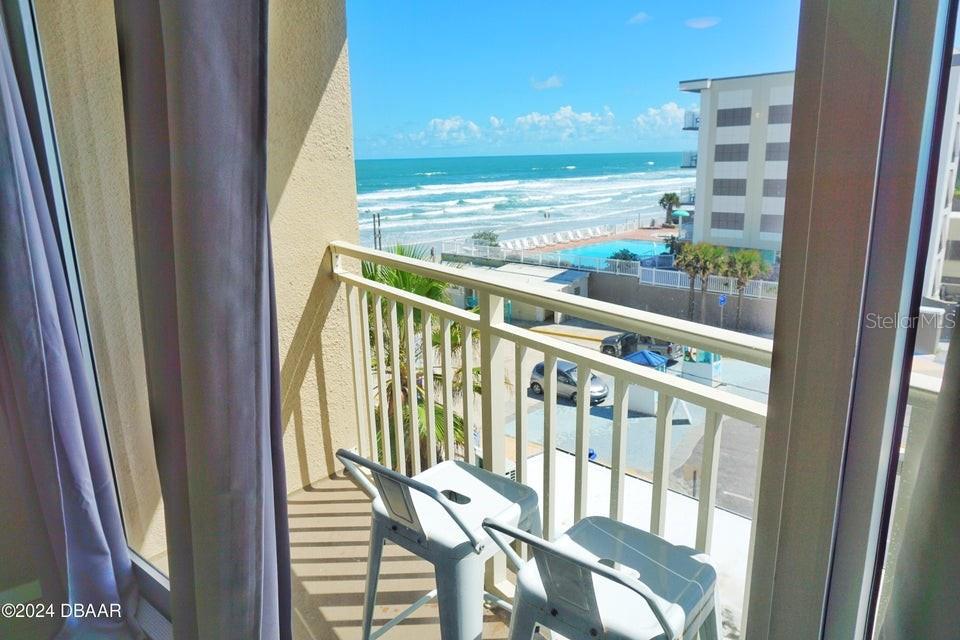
426,200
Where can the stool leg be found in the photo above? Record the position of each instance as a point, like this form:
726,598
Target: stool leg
523,621
460,597
712,628
373,574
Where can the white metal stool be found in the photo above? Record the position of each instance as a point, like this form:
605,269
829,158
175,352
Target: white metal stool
605,579
438,515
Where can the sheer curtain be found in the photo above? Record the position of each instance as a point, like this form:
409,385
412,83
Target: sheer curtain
925,592
194,84
49,422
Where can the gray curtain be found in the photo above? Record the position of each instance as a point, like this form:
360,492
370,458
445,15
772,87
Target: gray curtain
49,421
194,84
925,592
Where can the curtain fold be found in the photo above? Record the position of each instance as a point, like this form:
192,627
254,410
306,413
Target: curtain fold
49,418
194,84
925,589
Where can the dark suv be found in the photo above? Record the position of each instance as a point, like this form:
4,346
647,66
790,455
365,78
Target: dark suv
623,344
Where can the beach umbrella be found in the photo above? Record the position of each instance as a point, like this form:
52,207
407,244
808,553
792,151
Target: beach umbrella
680,213
647,359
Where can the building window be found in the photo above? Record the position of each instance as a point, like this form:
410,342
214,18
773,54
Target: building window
778,151
774,188
780,114
953,250
731,152
734,117
730,186
771,223
726,220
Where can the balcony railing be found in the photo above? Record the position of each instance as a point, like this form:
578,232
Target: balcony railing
688,160
403,342
688,196
691,120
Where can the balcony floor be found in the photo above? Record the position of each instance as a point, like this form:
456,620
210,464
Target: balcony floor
329,537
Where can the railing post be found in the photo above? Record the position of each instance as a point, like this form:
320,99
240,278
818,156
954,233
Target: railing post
661,464
710,462
493,351
359,388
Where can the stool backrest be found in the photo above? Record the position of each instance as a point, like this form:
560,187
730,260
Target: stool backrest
394,489
568,578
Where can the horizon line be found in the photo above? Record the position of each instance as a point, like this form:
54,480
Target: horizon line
519,155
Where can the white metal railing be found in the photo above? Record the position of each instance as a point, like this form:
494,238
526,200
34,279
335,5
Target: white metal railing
647,275
379,372
688,160
691,120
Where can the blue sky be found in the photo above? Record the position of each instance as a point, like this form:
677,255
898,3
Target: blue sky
453,78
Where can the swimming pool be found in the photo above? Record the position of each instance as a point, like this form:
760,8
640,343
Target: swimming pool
643,248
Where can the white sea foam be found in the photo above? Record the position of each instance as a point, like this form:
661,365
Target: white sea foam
513,208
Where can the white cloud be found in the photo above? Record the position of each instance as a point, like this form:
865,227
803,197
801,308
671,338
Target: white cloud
496,122
553,82
704,22
639,18
566,123
667,119
453,129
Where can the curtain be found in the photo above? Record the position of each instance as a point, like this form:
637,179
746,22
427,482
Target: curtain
194,85
925,591
49,421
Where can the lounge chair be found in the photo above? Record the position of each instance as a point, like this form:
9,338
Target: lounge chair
578,235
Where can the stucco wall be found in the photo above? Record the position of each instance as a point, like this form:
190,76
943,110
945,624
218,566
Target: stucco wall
79,46
758,315
312,199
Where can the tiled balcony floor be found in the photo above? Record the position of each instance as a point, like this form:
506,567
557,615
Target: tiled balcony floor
329,537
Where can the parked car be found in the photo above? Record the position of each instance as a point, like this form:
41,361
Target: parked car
623,344
567,383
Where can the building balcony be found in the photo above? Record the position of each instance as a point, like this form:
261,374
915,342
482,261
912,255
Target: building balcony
691,120
688,160
661,469
688,196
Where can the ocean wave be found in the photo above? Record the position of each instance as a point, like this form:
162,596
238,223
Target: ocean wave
431,173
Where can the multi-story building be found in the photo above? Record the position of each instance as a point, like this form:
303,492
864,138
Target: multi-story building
938,280
744,143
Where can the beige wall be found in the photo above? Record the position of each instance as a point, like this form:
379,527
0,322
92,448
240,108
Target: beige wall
312,191
312,198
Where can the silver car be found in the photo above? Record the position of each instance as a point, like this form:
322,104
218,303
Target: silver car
567,383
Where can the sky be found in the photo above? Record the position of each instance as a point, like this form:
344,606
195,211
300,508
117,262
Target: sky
436,78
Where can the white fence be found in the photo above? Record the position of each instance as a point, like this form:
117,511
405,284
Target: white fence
657,277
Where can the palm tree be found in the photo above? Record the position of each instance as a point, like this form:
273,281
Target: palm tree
744,266
688,260
700,260
435,290
712,260
668,202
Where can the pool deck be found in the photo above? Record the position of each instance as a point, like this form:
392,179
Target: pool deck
656,234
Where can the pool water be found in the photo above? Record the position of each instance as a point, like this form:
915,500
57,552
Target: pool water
643,248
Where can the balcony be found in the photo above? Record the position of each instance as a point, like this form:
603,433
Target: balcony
691,120
546,443
688,196
688,160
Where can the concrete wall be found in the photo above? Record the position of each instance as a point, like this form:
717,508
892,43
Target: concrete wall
312,199
758,315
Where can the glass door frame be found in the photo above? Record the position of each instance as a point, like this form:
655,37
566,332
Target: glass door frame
869,79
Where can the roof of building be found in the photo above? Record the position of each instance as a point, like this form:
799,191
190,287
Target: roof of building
525,274
699,84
